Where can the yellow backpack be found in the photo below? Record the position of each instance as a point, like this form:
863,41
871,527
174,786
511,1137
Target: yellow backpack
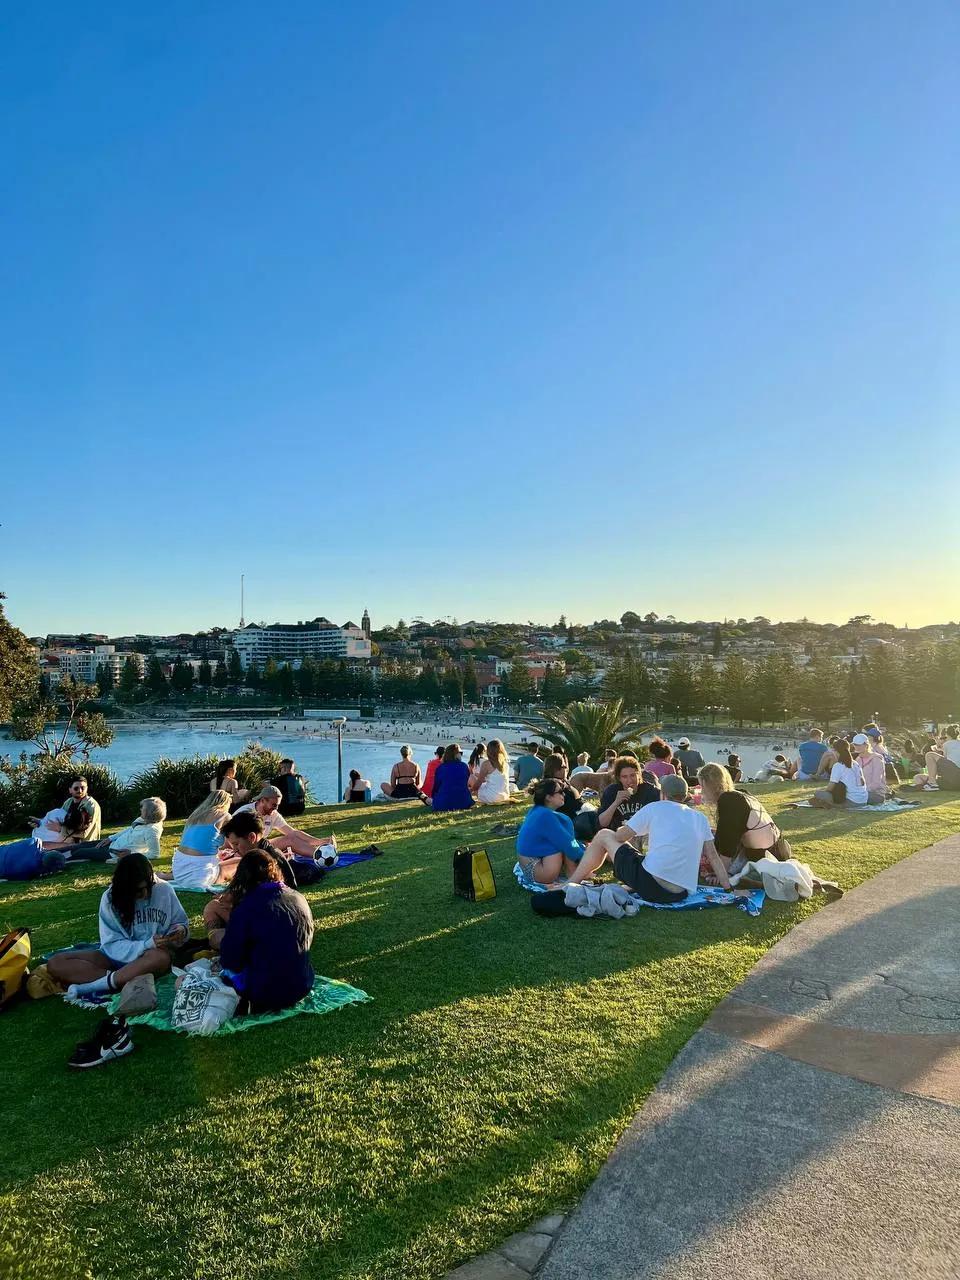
14,958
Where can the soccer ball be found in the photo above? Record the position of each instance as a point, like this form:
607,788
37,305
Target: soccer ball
327,856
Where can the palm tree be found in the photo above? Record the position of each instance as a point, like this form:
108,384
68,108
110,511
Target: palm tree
591,727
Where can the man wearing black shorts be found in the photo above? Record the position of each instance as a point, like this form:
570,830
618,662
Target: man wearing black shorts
677,837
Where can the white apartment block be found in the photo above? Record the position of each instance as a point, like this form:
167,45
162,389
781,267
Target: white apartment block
292,642
81,664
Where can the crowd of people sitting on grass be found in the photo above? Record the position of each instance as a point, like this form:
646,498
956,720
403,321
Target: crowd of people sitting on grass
643,817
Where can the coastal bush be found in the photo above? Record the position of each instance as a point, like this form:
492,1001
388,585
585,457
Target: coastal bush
256,766
181,783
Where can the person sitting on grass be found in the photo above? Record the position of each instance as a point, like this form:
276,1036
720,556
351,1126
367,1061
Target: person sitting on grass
677,836
528,767
735,766
491,783
431,773
242,834
809,755
546,845
81,814
275,827
943,765
626,795
142,836
661,763
450,784
404,781
745,831
583,764
59,828
195,861
846,781
293,789
265,949
357,790
225,779
874,767
141,924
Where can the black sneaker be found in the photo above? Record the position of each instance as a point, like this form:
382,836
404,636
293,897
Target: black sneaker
111,1040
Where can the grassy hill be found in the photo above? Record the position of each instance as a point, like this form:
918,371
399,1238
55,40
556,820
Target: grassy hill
500,1060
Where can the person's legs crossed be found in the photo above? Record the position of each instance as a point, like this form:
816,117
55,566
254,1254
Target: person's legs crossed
629,869
69,967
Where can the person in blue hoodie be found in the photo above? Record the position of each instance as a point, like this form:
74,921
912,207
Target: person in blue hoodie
141,924
450,790
265,951
546,844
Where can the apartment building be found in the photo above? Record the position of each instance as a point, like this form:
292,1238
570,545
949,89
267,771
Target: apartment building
292,642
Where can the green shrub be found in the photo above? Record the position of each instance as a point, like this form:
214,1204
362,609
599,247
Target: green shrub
256,766
181,783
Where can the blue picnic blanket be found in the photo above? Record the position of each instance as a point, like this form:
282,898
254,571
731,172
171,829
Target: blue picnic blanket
704,896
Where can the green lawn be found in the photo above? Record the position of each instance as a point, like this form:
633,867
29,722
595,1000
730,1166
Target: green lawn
499,1062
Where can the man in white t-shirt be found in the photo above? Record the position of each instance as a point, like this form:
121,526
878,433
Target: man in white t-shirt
677,837
266,808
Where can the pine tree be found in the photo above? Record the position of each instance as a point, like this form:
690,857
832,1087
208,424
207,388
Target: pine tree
155,679
130,677
235,667
518,686
735,690
680,687
205,674
105,681
221,677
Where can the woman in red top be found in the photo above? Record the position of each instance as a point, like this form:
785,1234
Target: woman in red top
432,768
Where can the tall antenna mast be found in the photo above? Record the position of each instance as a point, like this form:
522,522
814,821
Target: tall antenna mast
242,623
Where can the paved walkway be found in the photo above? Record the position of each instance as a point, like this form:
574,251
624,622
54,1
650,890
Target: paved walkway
811,1129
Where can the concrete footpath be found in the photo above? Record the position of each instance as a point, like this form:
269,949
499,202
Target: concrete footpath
811,1128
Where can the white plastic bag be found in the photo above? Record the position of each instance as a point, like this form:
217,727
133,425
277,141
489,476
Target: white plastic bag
202,1003
782,881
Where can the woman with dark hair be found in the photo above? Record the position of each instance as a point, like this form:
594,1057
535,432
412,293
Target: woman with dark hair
225,779
265,951
358,788
847,785
660,763
431,773
450,783
546,844
141,924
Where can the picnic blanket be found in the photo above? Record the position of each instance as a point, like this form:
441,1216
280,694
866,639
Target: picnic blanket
344,860
704,896
327,995
888,806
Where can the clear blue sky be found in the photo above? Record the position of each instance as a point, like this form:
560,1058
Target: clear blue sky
489,310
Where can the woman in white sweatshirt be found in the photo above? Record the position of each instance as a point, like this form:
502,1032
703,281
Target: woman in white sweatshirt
141,924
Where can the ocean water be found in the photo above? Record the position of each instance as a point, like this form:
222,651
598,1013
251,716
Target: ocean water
135,748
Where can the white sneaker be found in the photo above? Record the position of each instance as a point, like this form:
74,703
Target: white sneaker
931,786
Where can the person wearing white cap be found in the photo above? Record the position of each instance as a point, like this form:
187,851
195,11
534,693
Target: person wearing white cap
691,761
874,768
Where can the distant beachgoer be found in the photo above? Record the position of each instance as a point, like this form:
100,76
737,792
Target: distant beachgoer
225,779
405,779
358,788
735,767
491,783
583,765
